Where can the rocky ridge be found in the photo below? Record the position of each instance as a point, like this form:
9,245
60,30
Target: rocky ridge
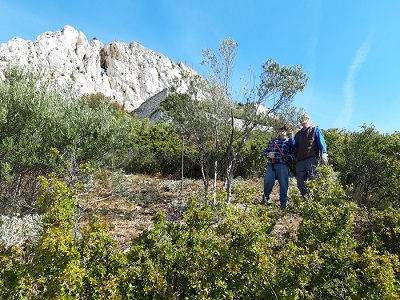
128,73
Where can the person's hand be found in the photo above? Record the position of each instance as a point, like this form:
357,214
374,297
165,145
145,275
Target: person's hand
286,158
324,159
271,155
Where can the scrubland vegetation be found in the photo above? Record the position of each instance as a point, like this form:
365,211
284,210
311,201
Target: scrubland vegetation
61,156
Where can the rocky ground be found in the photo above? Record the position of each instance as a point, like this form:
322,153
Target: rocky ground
128,202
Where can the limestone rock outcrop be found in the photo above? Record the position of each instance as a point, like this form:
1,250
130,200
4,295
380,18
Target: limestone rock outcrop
128,73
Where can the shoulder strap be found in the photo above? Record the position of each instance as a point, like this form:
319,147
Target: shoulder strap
279,149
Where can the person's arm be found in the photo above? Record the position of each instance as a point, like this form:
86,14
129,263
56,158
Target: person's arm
319,136
292,150
289,153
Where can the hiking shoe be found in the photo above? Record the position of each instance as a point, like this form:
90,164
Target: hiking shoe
288,208
264,200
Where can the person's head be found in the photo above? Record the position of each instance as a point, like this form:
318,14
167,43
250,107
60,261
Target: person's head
304,120
282,132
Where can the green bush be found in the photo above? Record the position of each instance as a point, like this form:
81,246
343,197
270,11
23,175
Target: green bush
381,230
218,253
327,213
369,163
38,120
56,268
253,162
104,263
327,259
228,251
63,262
153,148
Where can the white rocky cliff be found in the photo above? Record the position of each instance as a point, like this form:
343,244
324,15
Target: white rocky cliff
128,73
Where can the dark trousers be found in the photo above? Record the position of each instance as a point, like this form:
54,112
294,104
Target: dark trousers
305,170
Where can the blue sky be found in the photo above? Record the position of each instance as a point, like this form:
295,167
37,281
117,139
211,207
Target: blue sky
350,49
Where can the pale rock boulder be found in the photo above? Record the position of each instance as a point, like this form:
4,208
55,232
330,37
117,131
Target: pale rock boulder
128,73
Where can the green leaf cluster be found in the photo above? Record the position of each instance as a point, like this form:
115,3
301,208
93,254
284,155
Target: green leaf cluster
229,251
367,162
63,263
43,129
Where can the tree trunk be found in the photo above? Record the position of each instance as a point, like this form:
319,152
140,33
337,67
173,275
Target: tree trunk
205,177
182,161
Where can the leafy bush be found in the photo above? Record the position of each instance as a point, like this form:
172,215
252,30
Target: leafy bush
381,230
217,253
59,264
38,120
326,212
154,148
252,162
228,251
325,261
369,163
103,262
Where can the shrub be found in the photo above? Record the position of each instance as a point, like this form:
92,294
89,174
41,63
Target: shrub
38,120
369,163
218,252
381,230
104,263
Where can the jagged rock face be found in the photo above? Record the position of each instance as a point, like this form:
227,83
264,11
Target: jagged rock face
129,73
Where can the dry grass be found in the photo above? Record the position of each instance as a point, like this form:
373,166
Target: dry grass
128,202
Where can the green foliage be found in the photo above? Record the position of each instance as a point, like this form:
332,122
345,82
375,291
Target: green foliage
228,251
252,161
103,262
381,230
369,162
325,267
215,254
154,148
36,117
59,265
279,84
337,141
57,269
326,261
380,274
14,278
204,125
327,215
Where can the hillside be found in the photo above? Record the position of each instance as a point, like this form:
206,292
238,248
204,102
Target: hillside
127,73
128,202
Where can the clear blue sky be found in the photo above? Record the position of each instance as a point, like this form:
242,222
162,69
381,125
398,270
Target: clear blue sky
350,49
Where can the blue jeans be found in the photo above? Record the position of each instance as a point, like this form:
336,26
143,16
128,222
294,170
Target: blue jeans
278,172
305,170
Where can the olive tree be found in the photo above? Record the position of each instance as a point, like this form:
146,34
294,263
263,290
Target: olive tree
216,123
275,90
44,128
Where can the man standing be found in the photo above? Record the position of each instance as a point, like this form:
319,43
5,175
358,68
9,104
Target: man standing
279,155
308,142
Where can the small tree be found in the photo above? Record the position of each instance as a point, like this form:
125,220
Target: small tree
277,88
216,124
36,117
193,121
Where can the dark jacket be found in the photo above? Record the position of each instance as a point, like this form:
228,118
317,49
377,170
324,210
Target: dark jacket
309,142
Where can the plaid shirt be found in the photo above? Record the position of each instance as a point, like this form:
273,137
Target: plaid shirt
274,146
